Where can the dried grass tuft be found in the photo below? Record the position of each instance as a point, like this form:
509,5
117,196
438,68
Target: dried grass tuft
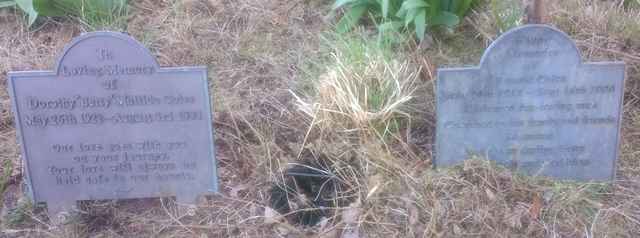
364,92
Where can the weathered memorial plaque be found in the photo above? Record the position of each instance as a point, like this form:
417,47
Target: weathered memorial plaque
109,123
533,105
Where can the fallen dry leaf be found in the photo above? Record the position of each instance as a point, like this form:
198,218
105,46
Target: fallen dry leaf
536,206
490,194
271,216
413,211
457,230
374,183
322,225
283,229
235,190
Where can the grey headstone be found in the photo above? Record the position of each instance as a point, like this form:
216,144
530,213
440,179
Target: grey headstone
109,123
534,106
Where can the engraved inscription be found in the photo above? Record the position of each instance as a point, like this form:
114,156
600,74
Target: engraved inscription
533,105
135,162
109,123
117,161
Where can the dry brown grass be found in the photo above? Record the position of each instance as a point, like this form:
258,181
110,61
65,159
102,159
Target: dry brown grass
362,93
256,50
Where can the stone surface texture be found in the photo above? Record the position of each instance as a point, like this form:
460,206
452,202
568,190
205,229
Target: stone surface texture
532,105
109,123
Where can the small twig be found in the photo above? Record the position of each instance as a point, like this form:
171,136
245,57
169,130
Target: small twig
175,219
32,216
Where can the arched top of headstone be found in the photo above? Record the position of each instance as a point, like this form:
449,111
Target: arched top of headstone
531,45
105,53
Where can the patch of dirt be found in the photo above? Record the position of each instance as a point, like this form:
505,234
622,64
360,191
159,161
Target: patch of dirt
310,191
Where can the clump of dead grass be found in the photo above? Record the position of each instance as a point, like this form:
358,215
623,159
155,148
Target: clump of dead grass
363,91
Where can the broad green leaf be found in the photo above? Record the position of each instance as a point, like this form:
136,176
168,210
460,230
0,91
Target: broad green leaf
421,24
401,12
56,7
411,15
385,8
76,7
350,18
7,3
411,4
434,8
340,3
27,7
445,18
448,4
103,8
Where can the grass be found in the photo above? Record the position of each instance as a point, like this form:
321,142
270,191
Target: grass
348,91
507,14
364,90
93,16
6,170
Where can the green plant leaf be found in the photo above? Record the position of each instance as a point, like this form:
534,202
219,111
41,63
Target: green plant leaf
461,7
350,18
445,18
411,4
409,9
76,7
434,8
385,8
420,23
7,3
448,4
411,15
106,6
101,8
7,169
55,7
340,3
27,7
